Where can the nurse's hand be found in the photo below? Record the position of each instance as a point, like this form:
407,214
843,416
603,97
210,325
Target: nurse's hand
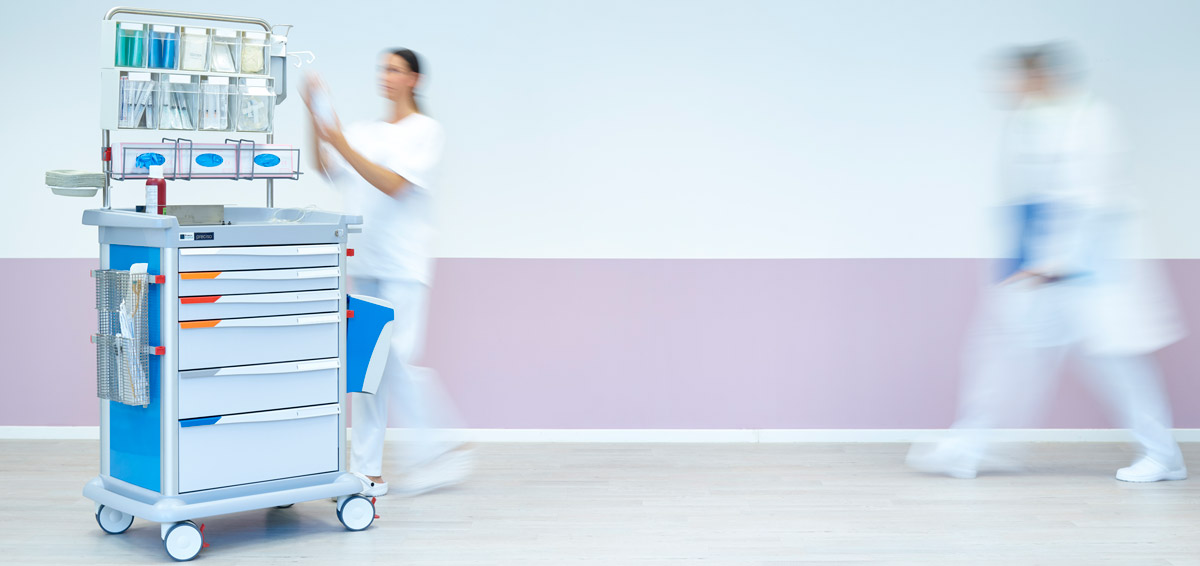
1033,277
330,133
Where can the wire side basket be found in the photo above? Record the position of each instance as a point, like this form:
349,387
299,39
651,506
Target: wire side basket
123,340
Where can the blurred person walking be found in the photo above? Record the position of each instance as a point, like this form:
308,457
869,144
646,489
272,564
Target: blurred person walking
386,170
1075,286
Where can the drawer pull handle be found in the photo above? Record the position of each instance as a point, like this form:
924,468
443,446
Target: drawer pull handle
265,298
264,417
270,275
267,322
269,251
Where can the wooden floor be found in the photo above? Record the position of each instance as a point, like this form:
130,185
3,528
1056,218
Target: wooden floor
659,504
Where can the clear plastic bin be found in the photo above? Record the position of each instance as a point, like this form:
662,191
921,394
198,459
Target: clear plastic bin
177,105
136,98
164,46
193,49
131,45
215,97
255,57
256,106
225,51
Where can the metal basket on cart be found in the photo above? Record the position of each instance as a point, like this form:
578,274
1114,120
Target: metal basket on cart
123,340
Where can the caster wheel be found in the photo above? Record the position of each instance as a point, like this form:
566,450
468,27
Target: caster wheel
356,512
112,521
183,541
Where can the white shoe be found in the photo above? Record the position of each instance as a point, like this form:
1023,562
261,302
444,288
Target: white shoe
945,457
371,488
1149,470
451,468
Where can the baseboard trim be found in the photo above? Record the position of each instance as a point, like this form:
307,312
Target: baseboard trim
698,436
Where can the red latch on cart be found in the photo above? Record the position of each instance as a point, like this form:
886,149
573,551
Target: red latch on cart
106,154
349,252
158,350
159,279
349,313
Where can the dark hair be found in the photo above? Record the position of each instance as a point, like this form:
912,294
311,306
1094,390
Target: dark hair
414,65
1059,60
410,57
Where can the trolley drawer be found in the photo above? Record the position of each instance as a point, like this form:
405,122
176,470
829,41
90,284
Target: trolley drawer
245,341
258,281
254,447
258,257
244,389
261,304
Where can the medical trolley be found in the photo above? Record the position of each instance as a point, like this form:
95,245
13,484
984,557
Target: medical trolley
226,341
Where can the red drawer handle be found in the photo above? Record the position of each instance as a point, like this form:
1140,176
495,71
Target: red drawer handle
195,300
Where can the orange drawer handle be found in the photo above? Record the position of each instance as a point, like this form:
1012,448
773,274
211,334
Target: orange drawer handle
200,275
199,324
194,300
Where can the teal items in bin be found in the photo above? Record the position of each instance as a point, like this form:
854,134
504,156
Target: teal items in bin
130,48
368,339
267,160
145,160
209,160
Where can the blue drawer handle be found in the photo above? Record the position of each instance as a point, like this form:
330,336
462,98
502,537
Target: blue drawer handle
199,422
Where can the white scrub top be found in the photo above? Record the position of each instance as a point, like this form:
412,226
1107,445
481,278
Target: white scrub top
397,232
1064,157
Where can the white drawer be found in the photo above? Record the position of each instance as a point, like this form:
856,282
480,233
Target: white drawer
260,304
244,389
259,281
254,447
258,257
244,341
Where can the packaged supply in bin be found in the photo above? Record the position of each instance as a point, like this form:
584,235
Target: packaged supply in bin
136,97
256,104
223,57
177,103
254,52
193,53
214,104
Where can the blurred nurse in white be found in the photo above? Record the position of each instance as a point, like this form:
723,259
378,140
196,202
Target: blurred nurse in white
1076,285
386,170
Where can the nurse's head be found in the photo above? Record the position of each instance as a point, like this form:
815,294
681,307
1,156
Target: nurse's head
1043,71
399,74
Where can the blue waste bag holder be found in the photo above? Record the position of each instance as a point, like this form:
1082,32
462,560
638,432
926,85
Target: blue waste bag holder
368,339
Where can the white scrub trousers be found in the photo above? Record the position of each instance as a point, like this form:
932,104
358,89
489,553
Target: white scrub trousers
415,393
1013,366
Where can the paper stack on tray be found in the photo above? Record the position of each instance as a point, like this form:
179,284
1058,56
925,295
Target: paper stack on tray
74,179
72,183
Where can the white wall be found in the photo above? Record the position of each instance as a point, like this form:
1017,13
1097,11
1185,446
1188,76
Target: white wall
657,129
